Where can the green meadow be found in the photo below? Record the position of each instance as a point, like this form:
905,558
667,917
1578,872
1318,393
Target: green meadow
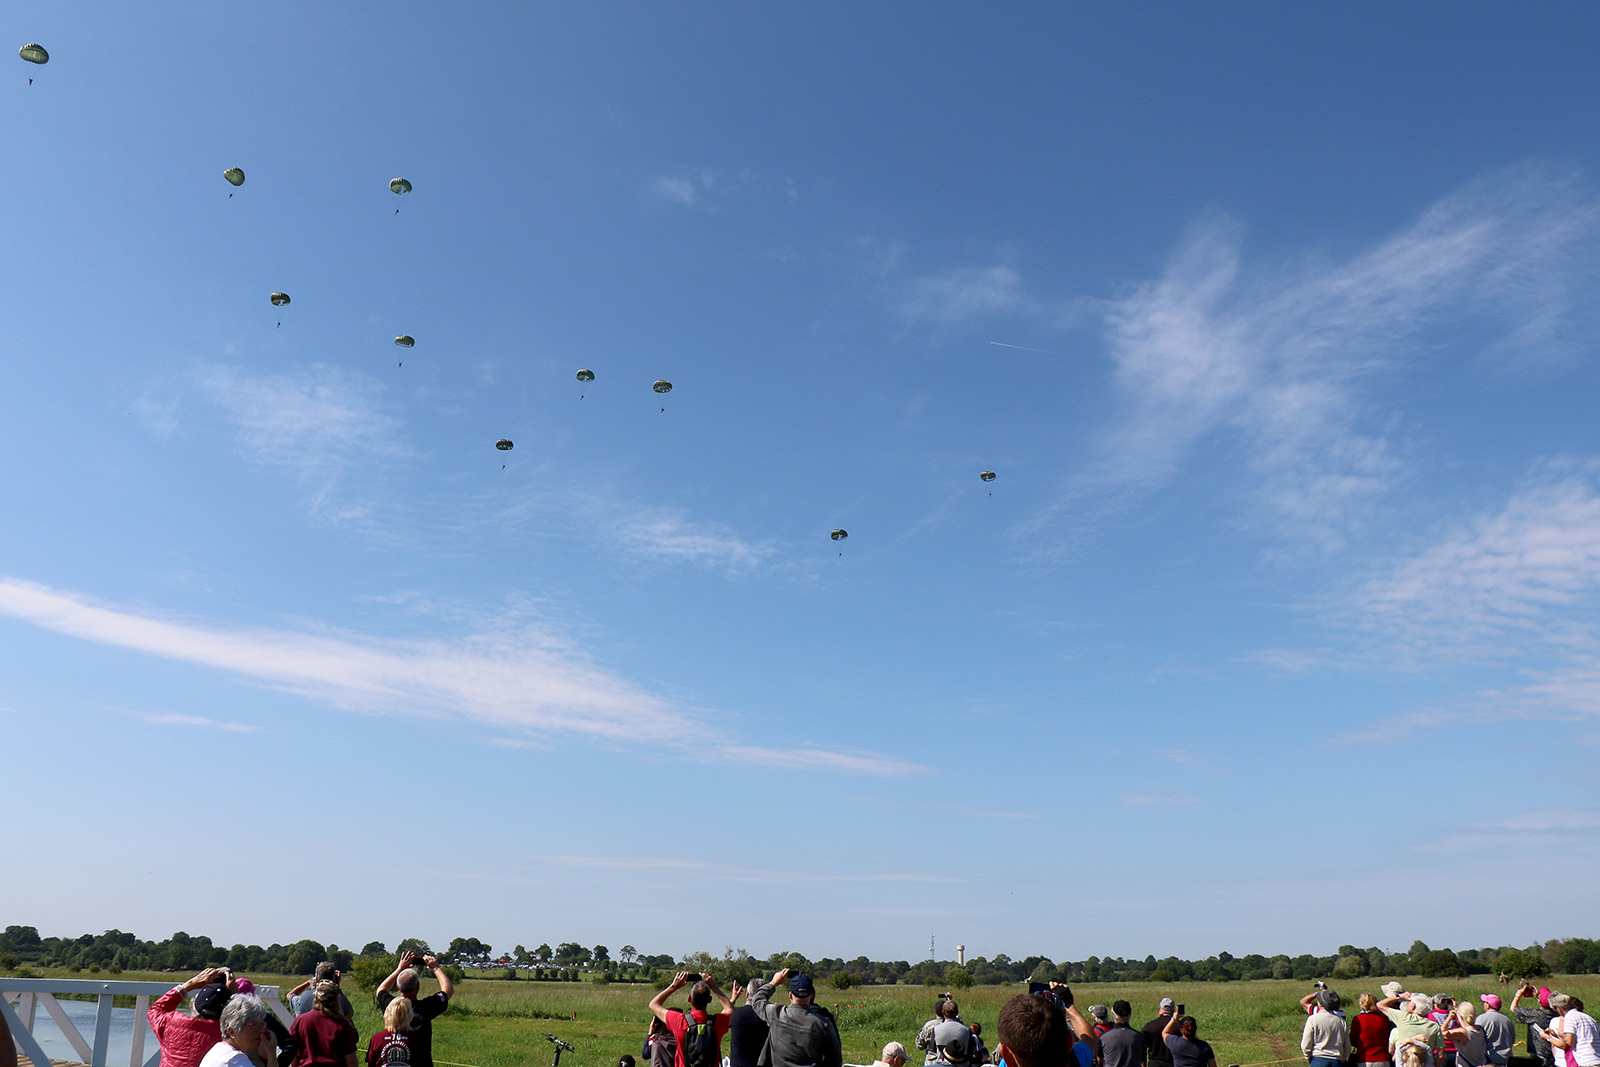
496,1023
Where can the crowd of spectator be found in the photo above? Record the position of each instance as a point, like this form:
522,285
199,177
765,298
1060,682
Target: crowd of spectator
231,1027
1409,1029
802,1033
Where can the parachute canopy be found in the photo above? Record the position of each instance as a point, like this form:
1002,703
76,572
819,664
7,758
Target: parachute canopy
399,186
280,299
503,445
838,535
234,175
987,476
662,386
586,375
405,340
34,53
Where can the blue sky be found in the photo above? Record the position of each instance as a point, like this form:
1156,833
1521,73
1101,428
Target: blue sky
1276,325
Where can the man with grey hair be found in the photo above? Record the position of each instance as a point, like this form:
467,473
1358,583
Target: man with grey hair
302,996
424,1009
1412,1025
1121,1045
245,1036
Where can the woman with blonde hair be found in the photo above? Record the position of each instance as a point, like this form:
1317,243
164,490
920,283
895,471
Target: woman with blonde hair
1369,1034
1460,1027
391,1046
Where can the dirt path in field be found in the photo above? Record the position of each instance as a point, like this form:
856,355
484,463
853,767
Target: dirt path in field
1280,1051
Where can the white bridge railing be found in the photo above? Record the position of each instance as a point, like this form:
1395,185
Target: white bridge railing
20,999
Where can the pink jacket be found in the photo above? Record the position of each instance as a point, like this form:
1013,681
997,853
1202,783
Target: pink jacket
184,1039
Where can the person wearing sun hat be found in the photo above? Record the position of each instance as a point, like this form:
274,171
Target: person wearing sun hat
1325,1039
1499,1032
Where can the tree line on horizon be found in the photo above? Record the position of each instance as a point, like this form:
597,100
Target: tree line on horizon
116,951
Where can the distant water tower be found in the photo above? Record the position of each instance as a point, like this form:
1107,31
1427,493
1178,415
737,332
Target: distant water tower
961,955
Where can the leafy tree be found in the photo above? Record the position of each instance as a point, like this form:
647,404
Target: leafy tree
304,956
1351,966
571,952
468,950
841,979
1520,964
601,954
628,953
958,977
413,944
1439,963
542,953
1578,956
22,937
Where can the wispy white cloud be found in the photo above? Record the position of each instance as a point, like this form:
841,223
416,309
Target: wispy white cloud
315,423
517,679
1522,833
809,758
1277,356
1146,800
694,186
965,295
175,719
1525,574
1516,587
717,871
668,534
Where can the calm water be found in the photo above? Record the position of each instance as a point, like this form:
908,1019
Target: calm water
82,1013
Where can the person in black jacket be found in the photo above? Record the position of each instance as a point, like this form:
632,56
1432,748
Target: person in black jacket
747,1033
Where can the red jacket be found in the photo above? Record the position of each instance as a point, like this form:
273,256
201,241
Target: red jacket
184,1039
1369,1036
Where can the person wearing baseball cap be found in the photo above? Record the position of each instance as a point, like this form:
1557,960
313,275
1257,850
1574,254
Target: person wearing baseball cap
894,1055
1121,1045
1155,1046
801,1033
1499,1032
185,1039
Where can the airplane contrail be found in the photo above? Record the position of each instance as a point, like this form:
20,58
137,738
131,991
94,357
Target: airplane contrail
1025,348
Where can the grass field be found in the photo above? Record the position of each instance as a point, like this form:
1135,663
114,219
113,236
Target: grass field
498,1023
